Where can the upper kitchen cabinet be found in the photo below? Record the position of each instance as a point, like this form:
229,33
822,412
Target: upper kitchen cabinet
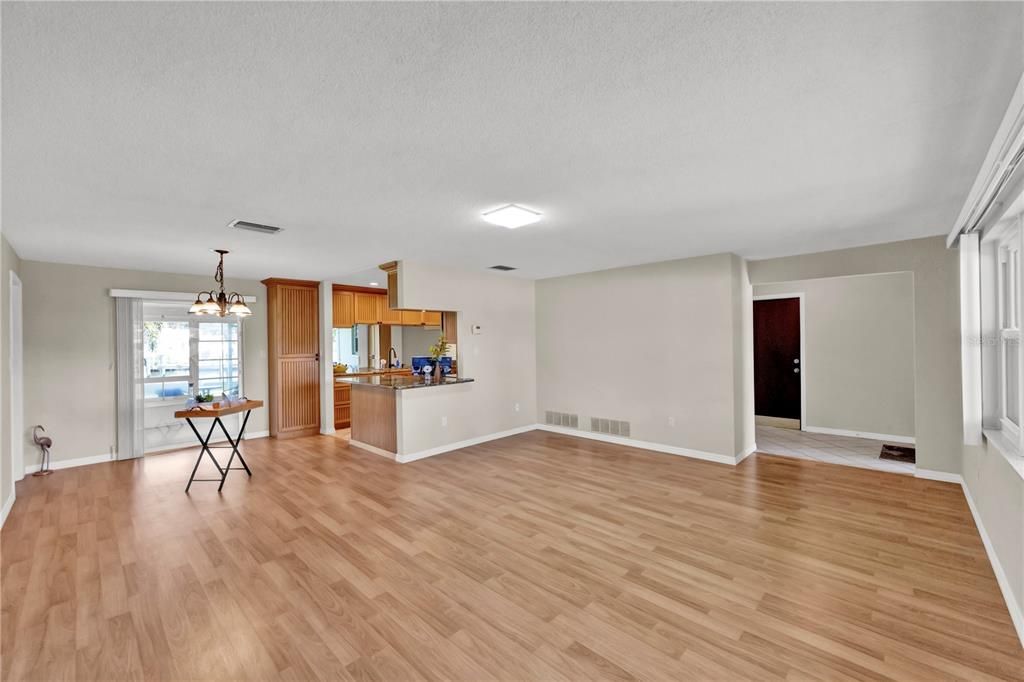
368,308
344,309
412,317
354,305
389,315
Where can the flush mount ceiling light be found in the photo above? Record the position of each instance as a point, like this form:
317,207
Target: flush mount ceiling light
511,216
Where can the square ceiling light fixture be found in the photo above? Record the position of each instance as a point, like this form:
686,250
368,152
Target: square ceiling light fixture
511,216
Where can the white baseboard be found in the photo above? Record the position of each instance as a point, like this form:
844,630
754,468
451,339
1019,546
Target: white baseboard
938,476
463,444
909,440
256,434
371,448
70,463
6,509
1016,615
643,444
746,453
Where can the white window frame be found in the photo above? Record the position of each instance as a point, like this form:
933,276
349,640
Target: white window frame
1009,316
193,362
998,328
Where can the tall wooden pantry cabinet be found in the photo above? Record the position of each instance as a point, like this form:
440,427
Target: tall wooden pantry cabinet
293,350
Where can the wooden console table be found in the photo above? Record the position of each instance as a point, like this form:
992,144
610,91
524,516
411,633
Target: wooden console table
215,413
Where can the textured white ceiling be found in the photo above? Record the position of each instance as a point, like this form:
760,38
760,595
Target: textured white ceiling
134,132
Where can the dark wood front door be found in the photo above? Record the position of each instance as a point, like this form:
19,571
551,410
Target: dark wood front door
777,361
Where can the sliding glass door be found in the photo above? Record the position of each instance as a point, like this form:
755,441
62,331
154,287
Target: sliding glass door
185,354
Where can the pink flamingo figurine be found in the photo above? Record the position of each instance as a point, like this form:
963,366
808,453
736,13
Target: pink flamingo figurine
44,443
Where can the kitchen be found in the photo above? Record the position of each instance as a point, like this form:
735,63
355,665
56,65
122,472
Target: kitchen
375,345
375,351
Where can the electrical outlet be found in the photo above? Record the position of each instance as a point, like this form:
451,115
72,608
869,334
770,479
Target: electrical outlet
671,421
444,421
516,407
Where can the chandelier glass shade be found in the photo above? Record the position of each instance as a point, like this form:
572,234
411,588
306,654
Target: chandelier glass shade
217,302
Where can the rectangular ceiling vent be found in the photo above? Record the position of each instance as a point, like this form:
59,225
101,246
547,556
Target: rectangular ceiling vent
254,227
569,421
503,268
612,427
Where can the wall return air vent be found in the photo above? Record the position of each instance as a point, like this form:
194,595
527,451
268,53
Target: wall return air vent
254,227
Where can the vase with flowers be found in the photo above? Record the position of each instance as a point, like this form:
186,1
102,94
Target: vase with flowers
438,351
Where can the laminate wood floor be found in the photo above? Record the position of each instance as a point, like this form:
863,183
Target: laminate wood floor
536,557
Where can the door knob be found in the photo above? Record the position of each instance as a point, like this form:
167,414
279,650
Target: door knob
796,370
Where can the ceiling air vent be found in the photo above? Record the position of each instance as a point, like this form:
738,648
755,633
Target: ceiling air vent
254,227
503,268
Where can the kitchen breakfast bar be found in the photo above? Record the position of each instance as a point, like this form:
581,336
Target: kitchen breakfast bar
376,405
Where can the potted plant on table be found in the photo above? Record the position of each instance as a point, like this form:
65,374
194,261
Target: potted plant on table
438,351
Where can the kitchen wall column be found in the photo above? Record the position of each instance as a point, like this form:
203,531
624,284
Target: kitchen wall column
327,361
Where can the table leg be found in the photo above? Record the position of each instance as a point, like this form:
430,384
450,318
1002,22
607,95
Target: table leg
204,450
234,448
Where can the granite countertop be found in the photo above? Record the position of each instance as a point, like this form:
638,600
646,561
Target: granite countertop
398,382
367,371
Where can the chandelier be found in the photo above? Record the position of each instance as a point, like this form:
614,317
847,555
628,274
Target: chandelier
219,303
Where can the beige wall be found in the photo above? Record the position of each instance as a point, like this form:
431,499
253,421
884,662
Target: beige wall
9,262
664,346
997,492
859,351
502,358
937,416
70,368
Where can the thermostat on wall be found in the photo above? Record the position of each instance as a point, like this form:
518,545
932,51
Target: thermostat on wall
475,329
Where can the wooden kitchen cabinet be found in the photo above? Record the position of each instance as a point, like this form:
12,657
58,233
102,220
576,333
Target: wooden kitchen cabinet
293,349
342,406
353,306
367,308
412,318
389,315
344,309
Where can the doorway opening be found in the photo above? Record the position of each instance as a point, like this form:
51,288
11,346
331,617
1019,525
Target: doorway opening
834,370
16,398
778,360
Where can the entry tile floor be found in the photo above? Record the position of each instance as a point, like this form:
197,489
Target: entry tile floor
855,452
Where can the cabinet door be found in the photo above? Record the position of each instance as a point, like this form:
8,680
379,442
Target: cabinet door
344,309
412,317
367,308
297,321
293,329
299,406
389,315
432,318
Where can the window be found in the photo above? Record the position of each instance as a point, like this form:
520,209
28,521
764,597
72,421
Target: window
181,353
1009,333
346,346
1001,369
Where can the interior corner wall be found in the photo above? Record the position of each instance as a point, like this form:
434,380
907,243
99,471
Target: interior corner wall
501,358
858,351
655,345
938,422
9,262
743,361
70,367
